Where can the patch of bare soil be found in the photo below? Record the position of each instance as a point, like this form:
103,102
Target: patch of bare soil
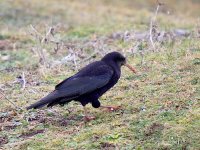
3,140
155,127
7,122
107,146
5,44
55,118
31,133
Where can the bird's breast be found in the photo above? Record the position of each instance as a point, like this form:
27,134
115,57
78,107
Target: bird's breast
109,85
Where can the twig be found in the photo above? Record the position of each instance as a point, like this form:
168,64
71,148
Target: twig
42,39
24,81
10,101
43,57
36,32
57,45
142,60
89,57
151,24
38,36
50,32
74,60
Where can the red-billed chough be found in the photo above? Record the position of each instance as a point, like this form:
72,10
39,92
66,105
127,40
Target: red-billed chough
86,86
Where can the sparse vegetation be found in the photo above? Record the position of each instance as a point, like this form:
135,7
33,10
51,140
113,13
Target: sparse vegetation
160,104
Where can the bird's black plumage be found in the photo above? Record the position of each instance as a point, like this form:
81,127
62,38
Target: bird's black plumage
88,84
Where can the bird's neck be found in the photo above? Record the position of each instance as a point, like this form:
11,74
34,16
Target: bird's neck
116,67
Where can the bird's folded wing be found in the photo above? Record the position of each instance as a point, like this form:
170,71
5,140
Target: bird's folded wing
82,85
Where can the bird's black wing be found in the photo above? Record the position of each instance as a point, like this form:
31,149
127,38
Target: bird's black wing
83,85
90,78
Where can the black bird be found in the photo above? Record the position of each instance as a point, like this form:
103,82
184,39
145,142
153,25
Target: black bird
86,86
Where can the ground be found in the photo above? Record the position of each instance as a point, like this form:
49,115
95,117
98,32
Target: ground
159,105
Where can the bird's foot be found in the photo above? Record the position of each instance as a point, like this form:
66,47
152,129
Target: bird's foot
111,108
89,118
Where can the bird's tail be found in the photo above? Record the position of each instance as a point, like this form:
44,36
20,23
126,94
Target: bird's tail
44,101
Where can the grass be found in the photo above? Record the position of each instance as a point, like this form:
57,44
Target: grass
160,104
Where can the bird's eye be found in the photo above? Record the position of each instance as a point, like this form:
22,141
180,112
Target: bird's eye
123,59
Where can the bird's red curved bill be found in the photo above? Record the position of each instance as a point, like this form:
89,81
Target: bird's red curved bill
131,68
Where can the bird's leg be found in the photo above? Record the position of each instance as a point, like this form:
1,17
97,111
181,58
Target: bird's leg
86,117
111,108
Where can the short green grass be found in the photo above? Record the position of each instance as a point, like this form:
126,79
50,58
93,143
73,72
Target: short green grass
159,105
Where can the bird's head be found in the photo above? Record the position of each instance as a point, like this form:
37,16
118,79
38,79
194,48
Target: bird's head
118,59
